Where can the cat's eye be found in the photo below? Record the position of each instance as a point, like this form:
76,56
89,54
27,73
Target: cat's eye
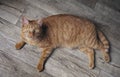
33,31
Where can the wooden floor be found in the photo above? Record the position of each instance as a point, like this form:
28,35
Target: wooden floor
63,62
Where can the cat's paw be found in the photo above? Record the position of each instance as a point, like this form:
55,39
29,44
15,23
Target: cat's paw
106,57
91,66
40,67
18,46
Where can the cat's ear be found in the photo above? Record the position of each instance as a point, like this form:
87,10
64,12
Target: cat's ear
40,22
25,20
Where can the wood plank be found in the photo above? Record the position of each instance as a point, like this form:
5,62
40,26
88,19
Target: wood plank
106,15
89,3
70,64
49,8
114,4
15,4
11,10
12,67
112,68
7,16
64,62
104,74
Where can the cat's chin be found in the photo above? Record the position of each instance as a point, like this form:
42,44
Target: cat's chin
31,39
33,42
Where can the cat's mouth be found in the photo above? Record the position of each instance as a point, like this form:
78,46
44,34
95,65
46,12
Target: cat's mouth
31,38
31,41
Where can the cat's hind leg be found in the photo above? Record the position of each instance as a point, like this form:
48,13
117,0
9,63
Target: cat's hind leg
103,45
90,54
106,56
19,45
105,52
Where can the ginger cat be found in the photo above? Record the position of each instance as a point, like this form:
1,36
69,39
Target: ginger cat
63,30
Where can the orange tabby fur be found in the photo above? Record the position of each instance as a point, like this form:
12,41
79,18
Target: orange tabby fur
63,30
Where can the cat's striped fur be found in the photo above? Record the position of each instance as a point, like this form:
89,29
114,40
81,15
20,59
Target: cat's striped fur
64,31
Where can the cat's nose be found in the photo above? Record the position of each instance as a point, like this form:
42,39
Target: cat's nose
30,35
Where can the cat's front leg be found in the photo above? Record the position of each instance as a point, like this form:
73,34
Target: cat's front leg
44,56
19,45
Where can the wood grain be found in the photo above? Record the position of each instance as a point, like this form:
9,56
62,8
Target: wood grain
63,62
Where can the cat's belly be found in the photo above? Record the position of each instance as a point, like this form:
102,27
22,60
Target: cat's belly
75,44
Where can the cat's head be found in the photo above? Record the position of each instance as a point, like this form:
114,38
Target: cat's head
31,28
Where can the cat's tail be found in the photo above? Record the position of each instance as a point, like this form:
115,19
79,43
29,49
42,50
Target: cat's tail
103,40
